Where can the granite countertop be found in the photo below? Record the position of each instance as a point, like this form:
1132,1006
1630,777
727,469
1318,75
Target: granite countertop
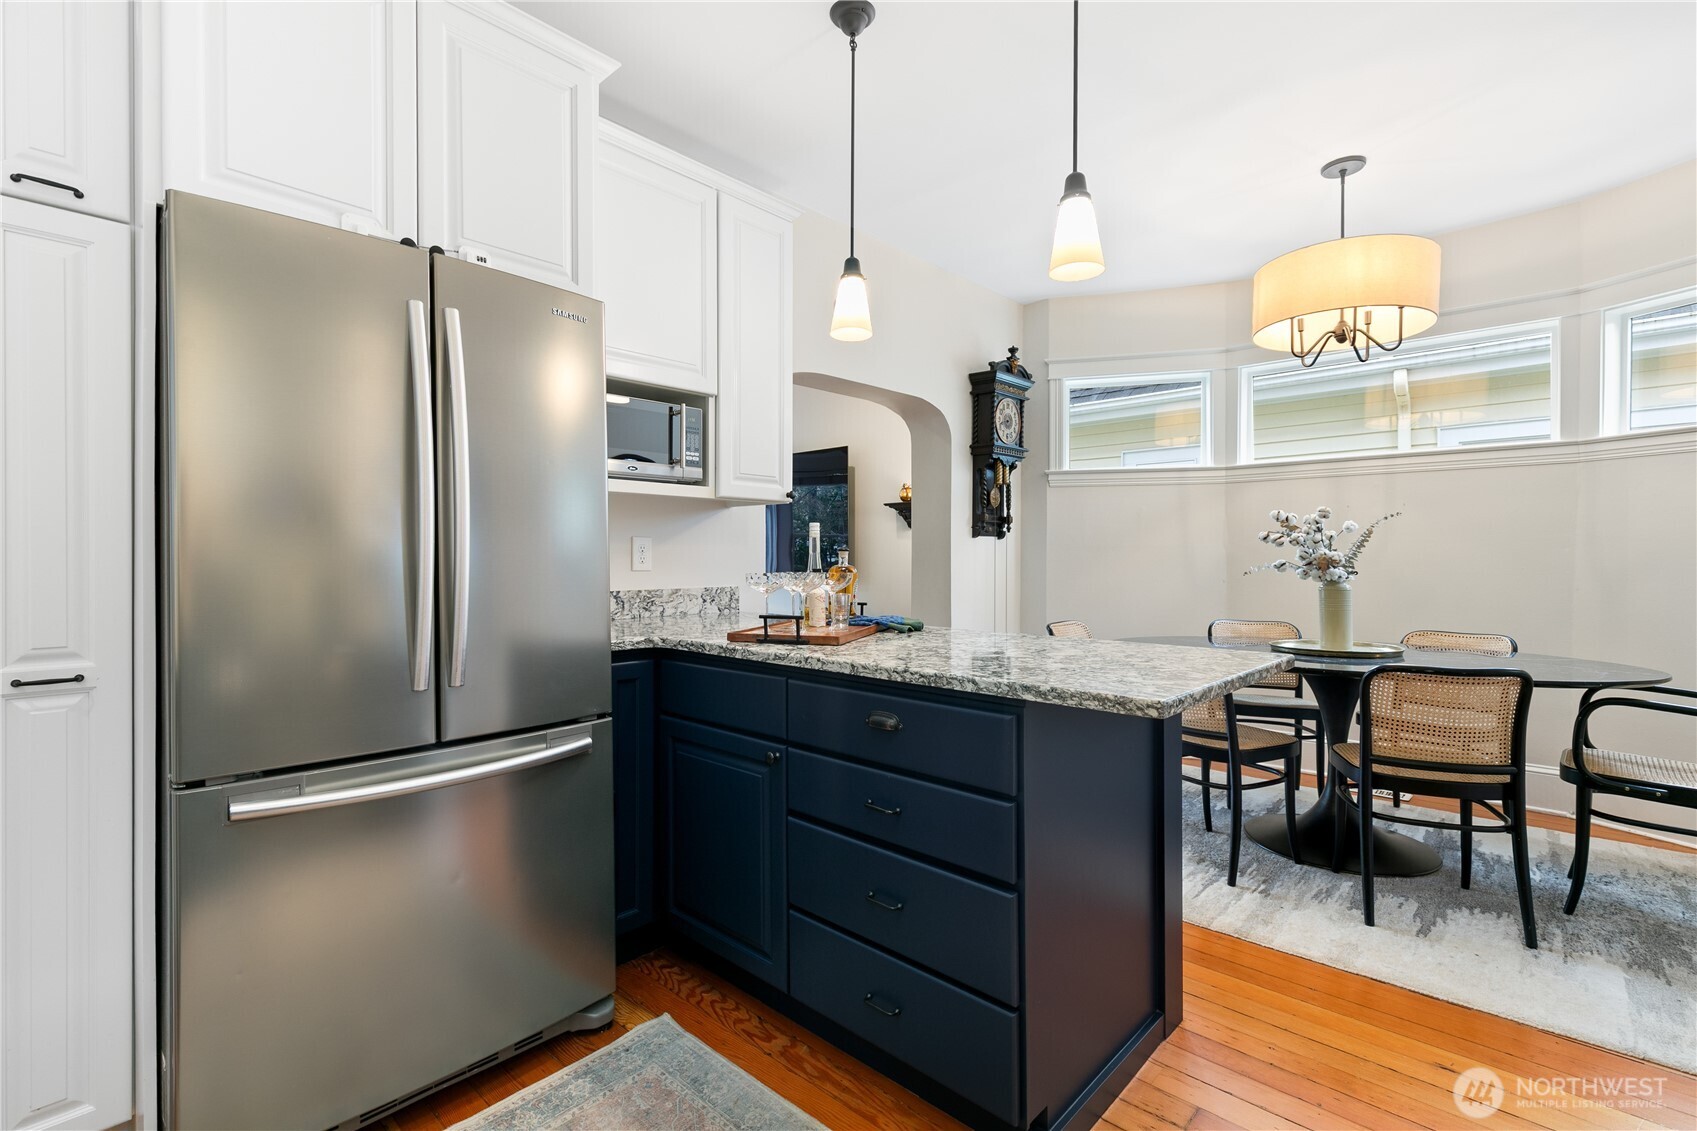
1150,680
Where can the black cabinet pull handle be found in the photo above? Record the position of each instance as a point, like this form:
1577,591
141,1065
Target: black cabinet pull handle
78,678
873,805
870,1004
72,189
872,897
883,720
771,757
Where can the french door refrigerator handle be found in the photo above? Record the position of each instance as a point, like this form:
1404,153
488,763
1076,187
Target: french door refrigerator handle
331,798
424,473
461,441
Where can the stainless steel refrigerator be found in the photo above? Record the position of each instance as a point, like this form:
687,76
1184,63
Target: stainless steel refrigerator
385,673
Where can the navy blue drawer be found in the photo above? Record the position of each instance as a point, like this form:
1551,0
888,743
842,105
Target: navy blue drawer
958,1039
966,829
958,927
752,702
939,739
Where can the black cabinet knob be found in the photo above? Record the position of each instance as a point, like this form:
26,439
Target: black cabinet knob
772,757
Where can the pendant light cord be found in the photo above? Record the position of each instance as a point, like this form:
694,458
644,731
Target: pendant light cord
1075,85
853,54
1343,183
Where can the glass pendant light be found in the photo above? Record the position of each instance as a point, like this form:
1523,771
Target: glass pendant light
1077,253
851,317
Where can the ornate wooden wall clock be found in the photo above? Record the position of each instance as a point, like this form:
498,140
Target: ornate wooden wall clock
998,441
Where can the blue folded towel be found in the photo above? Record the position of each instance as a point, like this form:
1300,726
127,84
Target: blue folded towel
890,623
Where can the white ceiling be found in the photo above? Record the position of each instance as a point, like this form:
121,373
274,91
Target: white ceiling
1204,125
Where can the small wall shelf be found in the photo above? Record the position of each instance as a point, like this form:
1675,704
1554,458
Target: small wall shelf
905,509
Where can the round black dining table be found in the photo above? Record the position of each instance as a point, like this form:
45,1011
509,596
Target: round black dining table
1336,685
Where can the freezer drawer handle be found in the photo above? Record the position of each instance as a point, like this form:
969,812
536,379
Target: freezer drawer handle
78,678
72,189
424,473
353,795
460,435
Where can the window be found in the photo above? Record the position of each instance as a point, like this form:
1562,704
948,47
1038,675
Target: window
1650,364
1149,419
1448,392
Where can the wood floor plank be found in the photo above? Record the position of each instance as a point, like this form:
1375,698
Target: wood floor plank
1555,1054
1129,1117
1265,1076
1457,1038
1147,1098
1209,1098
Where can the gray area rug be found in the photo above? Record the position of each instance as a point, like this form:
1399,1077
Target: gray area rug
654,1078
1621,972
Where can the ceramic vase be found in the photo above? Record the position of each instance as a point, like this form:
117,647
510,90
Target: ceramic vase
1337,616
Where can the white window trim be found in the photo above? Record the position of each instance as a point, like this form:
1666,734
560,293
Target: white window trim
1059,417
1617,360
1544,326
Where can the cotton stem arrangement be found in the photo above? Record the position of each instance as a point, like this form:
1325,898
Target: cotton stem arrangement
1315,552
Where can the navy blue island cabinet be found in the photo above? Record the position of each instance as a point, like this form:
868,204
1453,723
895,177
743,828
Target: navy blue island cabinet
979,897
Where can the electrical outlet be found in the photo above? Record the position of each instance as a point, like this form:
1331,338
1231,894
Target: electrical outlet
641,554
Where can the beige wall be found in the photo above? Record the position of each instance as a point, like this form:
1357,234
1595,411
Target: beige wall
1586,547
930,330
880,461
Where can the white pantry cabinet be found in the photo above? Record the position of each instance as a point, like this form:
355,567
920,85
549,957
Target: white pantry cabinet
656,266
66,981
507,112
754,437
308,110
67,105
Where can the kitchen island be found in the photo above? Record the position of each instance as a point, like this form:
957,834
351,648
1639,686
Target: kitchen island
955,854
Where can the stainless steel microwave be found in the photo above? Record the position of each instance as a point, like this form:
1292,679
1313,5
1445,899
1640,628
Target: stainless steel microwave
653,440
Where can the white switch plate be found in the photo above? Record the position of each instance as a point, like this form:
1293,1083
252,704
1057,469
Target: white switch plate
641,554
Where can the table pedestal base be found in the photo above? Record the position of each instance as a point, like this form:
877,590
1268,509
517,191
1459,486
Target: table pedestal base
1393,854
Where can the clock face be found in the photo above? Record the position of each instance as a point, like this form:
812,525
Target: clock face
1007,421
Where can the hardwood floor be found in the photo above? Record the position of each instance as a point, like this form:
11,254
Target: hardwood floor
1268,1041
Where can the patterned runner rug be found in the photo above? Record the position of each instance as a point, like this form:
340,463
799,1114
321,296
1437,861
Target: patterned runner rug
655,1076
1621,972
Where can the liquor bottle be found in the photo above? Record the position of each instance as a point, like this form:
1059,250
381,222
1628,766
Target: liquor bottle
817,607
843,578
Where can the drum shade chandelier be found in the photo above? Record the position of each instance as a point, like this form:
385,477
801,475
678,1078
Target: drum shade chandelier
851,317
1357,291
1077,252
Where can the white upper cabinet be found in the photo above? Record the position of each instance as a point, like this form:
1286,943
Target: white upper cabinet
754,414
656,265
507,112
303,109
67,105
66,977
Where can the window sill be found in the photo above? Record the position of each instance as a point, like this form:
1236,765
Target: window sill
1663,441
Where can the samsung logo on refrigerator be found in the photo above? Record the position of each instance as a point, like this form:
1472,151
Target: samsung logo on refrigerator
558,313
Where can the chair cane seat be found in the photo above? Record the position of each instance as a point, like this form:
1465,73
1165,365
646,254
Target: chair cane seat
1646,768
1351,753
1250,740
1286,705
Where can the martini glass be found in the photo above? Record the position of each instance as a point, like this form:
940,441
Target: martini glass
796,583
764,584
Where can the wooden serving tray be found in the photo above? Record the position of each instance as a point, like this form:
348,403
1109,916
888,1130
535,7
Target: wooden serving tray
786,632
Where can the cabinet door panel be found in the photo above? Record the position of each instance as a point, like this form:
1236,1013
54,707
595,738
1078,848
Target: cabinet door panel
754,425
303,109
656,238
65,770
67,104
726,867
633,793
504,145
66,385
